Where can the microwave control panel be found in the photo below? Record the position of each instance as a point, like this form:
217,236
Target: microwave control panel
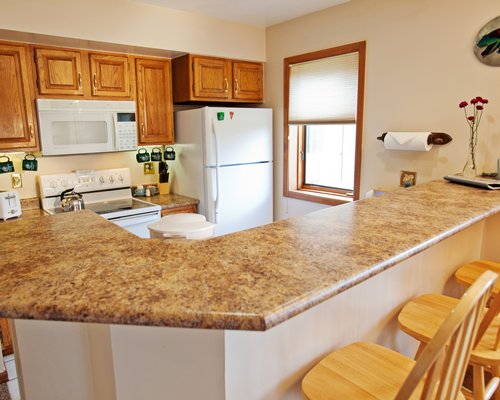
126,135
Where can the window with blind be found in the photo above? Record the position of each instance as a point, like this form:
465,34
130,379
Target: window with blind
323,124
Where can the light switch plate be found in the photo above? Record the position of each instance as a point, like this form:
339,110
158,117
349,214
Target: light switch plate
149,168
16,180
408,178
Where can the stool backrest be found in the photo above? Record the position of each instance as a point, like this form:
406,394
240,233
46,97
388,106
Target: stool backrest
444,360
486,322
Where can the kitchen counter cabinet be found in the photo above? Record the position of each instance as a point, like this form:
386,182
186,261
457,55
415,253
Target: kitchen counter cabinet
110,75
79,74
202,78
174,203
319,281
18,128
60,72
155,122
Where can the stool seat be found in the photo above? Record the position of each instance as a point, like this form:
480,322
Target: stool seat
349,373
469,272
421,317
361,371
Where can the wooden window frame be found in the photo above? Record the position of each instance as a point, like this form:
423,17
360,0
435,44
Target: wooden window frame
293,175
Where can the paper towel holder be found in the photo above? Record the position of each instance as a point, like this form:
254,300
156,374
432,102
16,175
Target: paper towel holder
436,138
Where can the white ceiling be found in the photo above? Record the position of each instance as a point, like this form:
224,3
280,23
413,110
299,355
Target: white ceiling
254,12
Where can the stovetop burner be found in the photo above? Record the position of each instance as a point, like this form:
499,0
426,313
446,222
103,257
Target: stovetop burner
106,207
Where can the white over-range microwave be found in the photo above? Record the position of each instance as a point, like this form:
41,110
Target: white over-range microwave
86,126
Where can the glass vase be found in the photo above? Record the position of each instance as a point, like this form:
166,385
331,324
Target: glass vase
470,167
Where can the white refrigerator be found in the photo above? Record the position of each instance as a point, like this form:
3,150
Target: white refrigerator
224,158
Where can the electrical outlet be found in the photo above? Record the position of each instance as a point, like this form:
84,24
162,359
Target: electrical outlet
16,180
407,178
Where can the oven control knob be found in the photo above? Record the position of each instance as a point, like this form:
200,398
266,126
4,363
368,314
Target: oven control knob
120,178
111,178
64,183
101,179
53,184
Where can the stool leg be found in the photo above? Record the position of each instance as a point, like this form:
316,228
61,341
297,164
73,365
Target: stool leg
478,382
496,372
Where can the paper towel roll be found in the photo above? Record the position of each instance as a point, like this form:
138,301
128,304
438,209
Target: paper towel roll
412,141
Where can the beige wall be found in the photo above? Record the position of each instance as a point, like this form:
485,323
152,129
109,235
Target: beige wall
420,65
131,23
130,26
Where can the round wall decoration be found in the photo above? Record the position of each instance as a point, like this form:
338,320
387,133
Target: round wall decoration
487,43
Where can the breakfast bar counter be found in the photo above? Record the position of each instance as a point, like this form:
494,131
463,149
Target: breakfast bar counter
342,272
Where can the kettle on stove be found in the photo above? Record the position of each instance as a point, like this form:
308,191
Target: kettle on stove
71,200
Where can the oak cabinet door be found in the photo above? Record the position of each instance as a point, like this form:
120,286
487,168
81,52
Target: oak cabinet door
248,81
211,78
154,102
180,210
17,122
109,75
59,71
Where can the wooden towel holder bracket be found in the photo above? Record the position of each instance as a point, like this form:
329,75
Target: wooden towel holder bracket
436,138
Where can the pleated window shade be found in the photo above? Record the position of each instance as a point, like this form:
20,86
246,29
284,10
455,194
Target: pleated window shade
324,91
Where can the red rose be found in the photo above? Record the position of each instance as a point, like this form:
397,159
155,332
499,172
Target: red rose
479,98
474,100
463,104
479,107
484,101
471,118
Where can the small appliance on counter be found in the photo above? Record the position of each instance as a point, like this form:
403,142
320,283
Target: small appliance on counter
10,205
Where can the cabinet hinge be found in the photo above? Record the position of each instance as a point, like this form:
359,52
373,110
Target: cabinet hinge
193,87
192,66
38,84
34,56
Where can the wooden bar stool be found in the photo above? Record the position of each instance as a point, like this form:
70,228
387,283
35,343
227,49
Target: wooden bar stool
369,371
421,317
469,272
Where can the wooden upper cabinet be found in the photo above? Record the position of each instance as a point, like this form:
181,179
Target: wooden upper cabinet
248,81
201,78
211,78
17,116
82,74
109,75
59,72
154,101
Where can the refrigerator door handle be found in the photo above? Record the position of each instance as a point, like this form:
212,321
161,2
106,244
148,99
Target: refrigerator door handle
217,168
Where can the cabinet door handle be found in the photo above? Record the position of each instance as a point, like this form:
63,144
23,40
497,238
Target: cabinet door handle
236,86
32,134
95,82
142,129
79,80
226,85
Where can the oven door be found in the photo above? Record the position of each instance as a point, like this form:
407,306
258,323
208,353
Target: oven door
137,224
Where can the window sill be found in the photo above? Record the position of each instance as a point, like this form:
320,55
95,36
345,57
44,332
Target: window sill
319,197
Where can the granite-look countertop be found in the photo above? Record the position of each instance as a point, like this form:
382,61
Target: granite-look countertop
167,201
80,267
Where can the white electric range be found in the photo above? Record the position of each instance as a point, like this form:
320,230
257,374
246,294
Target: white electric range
107,192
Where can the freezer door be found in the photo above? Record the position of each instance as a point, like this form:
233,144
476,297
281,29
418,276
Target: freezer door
237,136
239,197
